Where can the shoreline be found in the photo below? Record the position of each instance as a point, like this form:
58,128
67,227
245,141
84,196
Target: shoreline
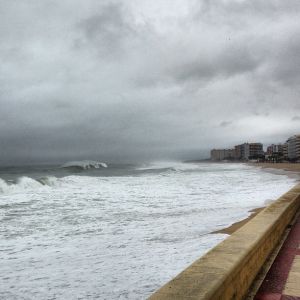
237,225
292,170
292,167
288,169
229,270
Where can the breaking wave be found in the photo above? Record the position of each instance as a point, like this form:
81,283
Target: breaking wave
25,183
169,167
84,165
49,180
3,186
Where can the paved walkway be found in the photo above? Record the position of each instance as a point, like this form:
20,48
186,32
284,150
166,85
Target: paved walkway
282,282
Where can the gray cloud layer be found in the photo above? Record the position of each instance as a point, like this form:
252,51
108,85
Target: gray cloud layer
135,80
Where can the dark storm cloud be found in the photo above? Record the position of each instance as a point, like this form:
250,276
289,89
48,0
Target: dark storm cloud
136,80
229,61
255,8
287,70
225,123
107,29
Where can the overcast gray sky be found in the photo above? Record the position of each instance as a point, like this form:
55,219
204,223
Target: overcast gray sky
142,79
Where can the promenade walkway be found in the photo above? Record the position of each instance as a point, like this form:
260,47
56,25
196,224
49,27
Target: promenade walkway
282,281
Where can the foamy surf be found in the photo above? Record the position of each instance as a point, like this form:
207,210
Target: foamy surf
90,236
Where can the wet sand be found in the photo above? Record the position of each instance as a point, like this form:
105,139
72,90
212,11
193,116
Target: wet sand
288,169
281,166
235,226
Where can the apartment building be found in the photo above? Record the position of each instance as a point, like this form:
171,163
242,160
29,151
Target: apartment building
275,149
248,150
285,150
293,147
222,154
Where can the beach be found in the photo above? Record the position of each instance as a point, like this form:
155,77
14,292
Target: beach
292,167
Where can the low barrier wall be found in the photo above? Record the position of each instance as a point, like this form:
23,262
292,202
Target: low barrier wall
228,270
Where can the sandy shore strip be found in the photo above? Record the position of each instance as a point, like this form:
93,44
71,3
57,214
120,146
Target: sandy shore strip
235,226
291,170
292,167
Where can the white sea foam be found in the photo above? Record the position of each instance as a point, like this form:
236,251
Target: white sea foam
107,237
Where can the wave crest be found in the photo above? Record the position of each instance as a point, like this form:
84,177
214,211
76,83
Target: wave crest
27,183
84,165
49,180
3,186
169,167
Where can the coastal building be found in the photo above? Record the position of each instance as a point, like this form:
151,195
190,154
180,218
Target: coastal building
255,150
249,151
275,153
275,149
238,152
293,147
222,154
285,151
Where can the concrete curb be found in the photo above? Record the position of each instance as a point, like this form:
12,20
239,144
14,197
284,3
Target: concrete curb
228,270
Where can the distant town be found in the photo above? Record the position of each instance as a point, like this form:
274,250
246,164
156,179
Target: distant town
288,151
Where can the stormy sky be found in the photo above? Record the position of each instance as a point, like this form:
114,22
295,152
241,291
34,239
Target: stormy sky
141,79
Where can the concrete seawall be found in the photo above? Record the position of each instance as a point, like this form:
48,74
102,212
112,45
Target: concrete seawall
228,270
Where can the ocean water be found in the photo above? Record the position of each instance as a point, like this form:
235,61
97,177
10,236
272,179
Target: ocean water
117,231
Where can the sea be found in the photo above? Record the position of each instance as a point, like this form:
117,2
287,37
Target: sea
90,230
